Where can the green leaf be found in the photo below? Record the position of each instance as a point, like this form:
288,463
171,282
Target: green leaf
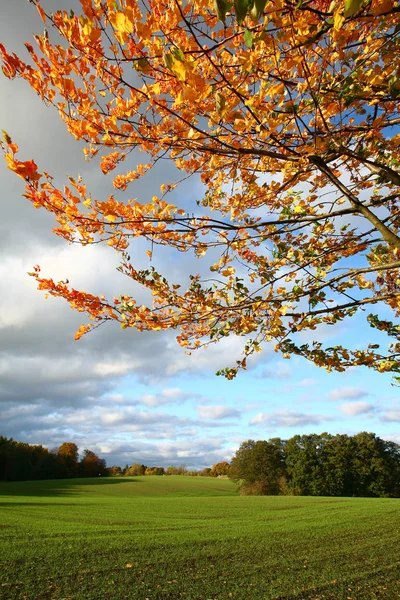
248,38
168,60
178,54
221,8
142,65
258,9
241,8
351,7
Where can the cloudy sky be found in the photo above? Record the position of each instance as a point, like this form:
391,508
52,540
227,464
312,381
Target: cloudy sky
129,396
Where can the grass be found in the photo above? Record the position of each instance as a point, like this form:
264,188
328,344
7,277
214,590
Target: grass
171,538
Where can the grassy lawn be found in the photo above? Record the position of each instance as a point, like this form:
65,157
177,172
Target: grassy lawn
192,538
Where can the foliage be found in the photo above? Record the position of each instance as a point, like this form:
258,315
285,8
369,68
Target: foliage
165,538
20,461
135,469
68,459
319,465
91,465
220,469
115,471
154,471
171,470
288,112
259,466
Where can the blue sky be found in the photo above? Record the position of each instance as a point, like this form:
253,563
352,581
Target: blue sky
129,396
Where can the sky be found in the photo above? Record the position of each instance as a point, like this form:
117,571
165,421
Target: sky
130,396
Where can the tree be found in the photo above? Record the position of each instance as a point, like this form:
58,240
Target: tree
206,472
305,464
338,473
91,465
115,471
67,458
135,470
221,468
259,466
373,469
287,111
154,471
171,470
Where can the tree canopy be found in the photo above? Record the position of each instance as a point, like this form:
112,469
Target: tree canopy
319,465
286,111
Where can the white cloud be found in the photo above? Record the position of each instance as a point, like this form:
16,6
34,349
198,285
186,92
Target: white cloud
348,393
168,396
392,416
288,418
308,382
352,409
280,370
217,412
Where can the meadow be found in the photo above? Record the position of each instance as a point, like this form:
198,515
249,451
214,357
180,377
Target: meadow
171,538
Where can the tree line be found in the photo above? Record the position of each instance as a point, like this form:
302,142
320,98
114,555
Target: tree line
20,461
319,465
310,465
220,469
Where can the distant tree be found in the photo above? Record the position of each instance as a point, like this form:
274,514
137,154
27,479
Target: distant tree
371,467
171,470
220,469
67,458
257,462
205,472
181,470
44,463
115,471
135,470
154,471
20,461
338,473
91,465
304,463
392,462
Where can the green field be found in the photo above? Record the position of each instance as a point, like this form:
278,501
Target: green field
192,538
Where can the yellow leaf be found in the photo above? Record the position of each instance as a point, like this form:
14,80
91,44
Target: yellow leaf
121,23
110,217
228,271
179,69
338,20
